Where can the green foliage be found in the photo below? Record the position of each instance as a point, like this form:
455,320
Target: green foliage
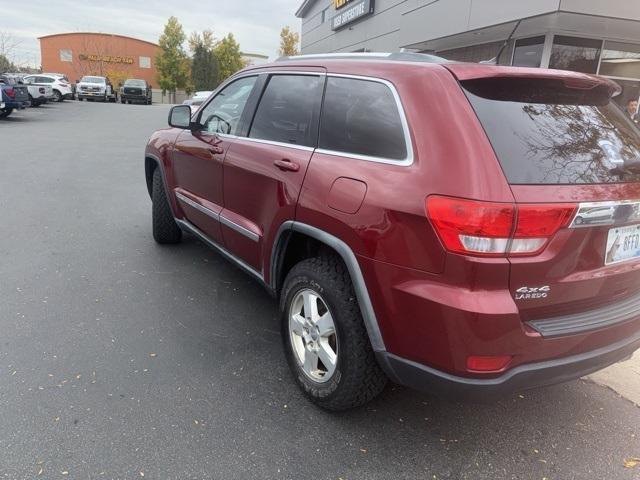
289,41
6,65
204,66
229,57
172,62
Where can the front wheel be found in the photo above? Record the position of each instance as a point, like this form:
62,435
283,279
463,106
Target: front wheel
325,340
165,229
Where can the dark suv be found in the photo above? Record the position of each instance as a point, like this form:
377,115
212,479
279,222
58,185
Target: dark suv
458,228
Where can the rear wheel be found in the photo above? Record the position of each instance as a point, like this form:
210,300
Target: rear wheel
325,340
57,96
165,229
6,112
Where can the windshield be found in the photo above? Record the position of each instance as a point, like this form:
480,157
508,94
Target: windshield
92,80
135,83
545,137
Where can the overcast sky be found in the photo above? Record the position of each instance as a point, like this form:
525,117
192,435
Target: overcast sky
255,23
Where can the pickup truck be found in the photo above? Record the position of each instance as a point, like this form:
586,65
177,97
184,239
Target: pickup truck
93,87
135,91
39,93
15,96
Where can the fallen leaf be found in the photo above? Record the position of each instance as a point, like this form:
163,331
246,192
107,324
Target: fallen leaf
40,471
152,354
196,422
631,462
363,450
65,473
142,474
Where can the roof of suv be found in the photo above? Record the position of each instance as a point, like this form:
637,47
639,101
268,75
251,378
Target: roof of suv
462,71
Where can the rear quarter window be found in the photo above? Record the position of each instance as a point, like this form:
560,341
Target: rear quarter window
553,136
361,117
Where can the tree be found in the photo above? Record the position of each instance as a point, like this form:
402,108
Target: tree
6,65
289,41
229,57
204,65
8,45
172,62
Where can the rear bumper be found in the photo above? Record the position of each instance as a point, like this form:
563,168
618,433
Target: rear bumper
17,105
520,378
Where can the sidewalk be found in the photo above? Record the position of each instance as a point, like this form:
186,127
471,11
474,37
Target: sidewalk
624,378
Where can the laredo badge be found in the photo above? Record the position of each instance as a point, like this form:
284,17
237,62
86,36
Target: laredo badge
529,293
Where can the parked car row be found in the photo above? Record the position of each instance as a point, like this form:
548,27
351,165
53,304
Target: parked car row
19,90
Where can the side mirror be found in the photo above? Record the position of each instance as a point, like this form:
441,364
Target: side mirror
180,117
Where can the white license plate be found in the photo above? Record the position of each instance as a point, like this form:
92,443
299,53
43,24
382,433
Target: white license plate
623,244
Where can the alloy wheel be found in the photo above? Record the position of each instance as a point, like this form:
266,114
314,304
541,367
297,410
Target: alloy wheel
313,336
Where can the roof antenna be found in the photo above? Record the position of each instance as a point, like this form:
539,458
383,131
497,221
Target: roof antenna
496,60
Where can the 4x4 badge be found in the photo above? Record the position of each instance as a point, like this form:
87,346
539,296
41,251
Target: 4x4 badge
526,293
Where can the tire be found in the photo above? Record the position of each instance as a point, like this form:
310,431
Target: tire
122,100
57,96
6,112
165,229
356,378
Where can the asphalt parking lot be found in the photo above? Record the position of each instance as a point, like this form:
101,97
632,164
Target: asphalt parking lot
121,359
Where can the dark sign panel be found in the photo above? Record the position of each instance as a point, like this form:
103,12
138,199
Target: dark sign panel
354,10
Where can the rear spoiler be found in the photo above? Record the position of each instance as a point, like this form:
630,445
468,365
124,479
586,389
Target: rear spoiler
507,82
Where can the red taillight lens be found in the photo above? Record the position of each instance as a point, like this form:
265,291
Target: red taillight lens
488,364
495,229
10,92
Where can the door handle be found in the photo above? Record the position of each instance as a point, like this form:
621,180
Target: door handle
287,165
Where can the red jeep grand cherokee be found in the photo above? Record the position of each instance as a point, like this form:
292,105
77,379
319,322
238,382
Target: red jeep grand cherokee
452,227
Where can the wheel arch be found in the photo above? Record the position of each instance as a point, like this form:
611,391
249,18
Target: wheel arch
293,236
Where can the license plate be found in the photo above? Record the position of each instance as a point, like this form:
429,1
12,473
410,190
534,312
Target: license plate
623,244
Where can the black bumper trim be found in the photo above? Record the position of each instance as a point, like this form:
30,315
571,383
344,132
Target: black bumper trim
523,377
606,316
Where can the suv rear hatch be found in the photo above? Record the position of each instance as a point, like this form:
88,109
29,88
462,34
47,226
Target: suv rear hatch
563,142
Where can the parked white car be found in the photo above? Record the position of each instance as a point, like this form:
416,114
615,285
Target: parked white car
62,89
198,99
39,93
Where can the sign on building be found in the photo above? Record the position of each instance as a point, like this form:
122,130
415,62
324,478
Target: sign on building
348,11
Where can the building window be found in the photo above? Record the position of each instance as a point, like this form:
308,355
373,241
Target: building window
620,60
575,54
323,17
145,62
66,55
528,52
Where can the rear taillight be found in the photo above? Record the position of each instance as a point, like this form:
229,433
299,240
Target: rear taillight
10,92
496,229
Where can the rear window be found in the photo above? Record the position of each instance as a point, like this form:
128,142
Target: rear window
549,134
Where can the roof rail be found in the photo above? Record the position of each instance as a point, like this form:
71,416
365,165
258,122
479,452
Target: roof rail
397,56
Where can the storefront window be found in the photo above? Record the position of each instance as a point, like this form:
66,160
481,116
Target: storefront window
528,52
575,54
620,60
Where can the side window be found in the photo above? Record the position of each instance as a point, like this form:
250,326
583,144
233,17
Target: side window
222,114
288,110
361,117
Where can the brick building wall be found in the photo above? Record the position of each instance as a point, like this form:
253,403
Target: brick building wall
115,56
